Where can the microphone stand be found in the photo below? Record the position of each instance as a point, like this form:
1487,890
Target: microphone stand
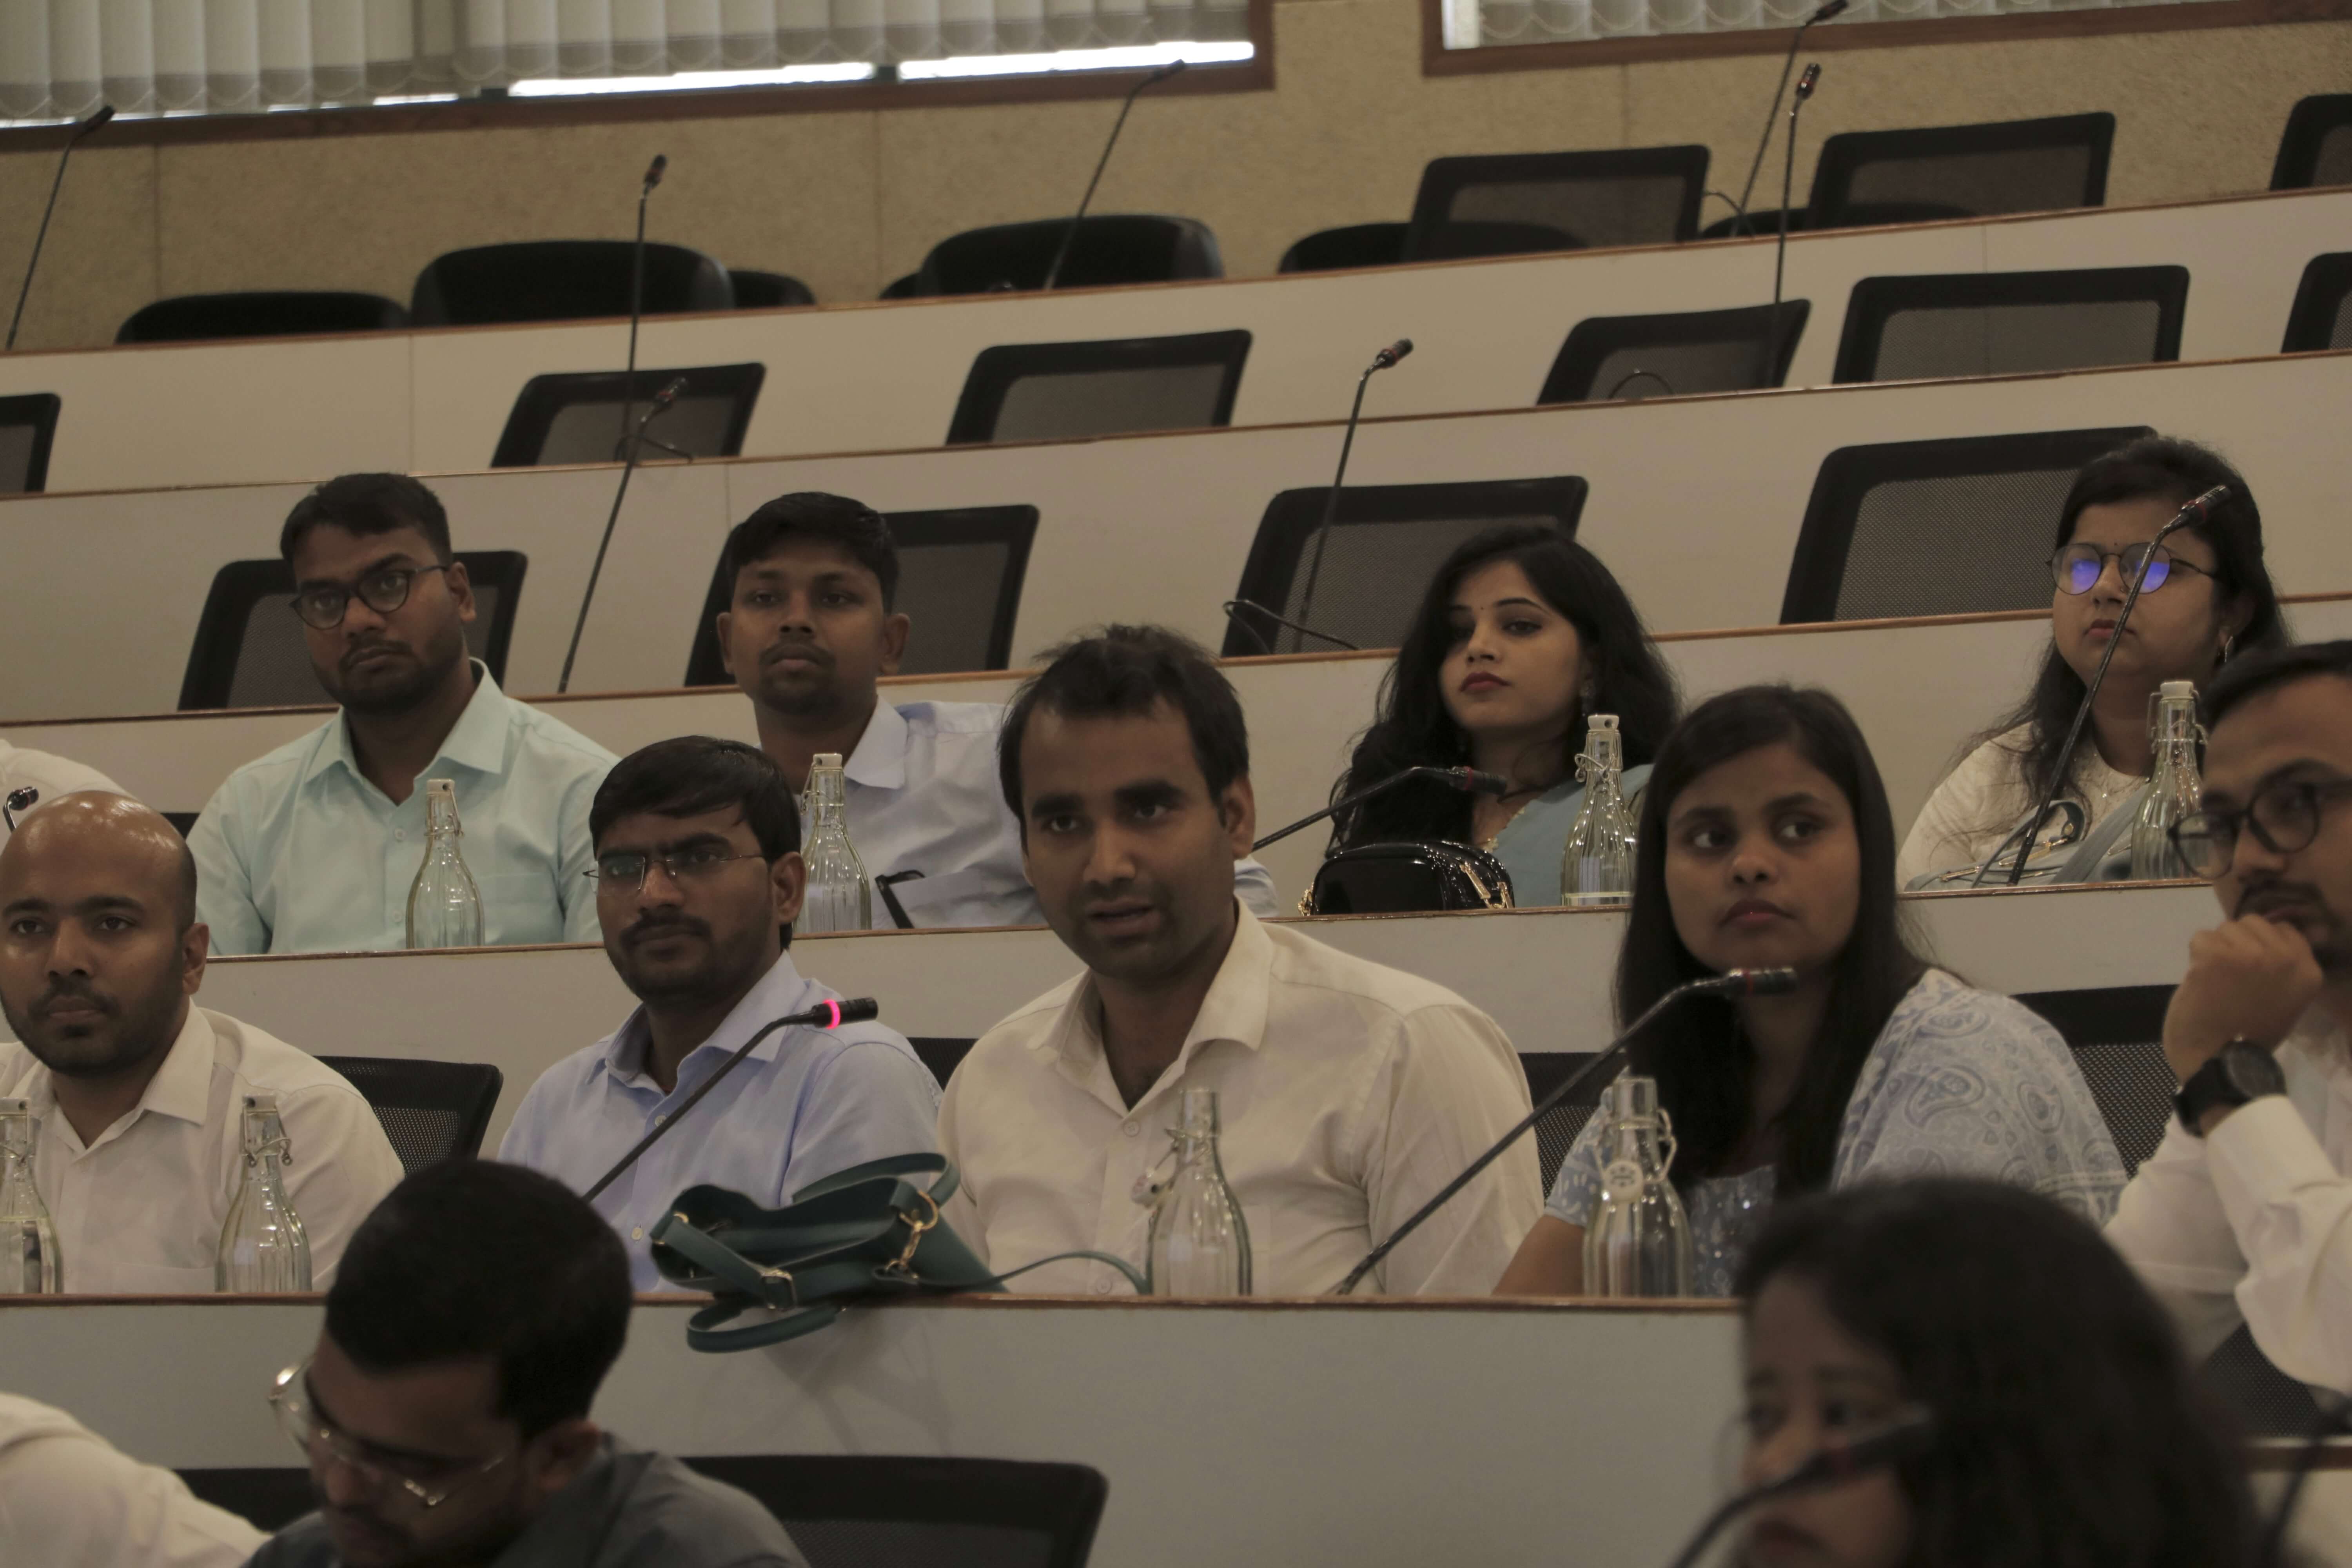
1070,235
1780,249
637,443
637,292
1907,1434
2272,1551
104,112
1230,606
1788,64
1469,780
1380,362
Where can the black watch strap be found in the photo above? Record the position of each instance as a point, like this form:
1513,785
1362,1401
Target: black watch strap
2241,1071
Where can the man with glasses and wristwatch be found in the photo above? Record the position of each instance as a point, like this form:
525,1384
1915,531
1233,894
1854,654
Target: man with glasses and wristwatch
312,847
2244,1212
444,1407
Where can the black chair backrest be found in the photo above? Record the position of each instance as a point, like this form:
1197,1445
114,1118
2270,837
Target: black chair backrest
1386,542
1458,239
1675,354
579,416
768,291
563,280
1557,1133
28,427
875,1512
249,651
431,1111
1111,249
1358,244
1962,171
959,576
2011,323
2322,316
289,312
2317,148
1936,528
1047,392
1631,195
267,1497
906,288
941,1053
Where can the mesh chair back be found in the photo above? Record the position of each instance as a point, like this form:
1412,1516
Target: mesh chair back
1358,244
959,576
1962,171
1634,195
28,426
582,417
941,1053
2011,323
1936,528
290,313
249,651
431,1111
906,288
1557,1133
563,280
2317,148
871,1511
1385,543
768,291
1676,355
1113,248
1051,392
2322,316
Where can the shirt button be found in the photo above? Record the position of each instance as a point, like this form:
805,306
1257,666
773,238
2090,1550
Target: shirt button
638,1234
661,1118
1132,1130
1102,1287
401,832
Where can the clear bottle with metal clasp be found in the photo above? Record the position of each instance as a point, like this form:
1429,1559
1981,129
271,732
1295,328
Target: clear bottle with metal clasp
1638,1239
263,1248
1199,1242
28,1255
839,897
445,907
1596,866
2174,789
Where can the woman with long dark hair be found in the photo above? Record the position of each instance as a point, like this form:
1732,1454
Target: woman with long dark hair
2207,598
2066,1427
1522,636
1765,841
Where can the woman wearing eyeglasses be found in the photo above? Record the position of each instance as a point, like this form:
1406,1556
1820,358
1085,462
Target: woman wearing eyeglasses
2206,598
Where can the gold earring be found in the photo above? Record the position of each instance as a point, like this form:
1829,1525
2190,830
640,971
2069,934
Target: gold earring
2229,646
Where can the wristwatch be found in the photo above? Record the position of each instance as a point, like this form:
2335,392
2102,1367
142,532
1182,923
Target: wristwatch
2243,1069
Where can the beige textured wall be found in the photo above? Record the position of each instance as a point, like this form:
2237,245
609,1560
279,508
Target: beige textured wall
850,201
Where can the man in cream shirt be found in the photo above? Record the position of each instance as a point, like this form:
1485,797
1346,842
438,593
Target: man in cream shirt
69,1499
137,1092
1349,1093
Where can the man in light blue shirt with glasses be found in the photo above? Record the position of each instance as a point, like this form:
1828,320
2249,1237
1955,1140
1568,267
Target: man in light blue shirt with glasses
313,848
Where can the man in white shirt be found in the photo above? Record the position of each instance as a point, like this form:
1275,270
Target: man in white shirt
809,632
2244,1212
69,1499
138,1094
28,778
1349,1093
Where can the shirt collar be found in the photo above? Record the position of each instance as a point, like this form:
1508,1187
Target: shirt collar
478,741
180,1089
881,760
779,992
1234,1010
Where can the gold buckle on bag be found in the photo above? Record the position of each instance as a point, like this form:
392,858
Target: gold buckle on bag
787,1276
915,1229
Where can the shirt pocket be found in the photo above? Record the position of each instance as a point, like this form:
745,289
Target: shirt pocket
521,907
978,895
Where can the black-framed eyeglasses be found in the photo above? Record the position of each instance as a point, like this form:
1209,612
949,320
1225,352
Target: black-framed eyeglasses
434,1483
625,871
2284,817
384,591
2076,568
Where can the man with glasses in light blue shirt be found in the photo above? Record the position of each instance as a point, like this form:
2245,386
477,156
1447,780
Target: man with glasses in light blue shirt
313,848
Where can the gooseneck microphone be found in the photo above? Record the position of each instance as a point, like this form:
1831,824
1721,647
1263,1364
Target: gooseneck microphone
654,172
1771,115
1070,235
1301,628
1380,362
1805,85
1734,983
635,442
104,112
1468,780
825,1015
1908,1435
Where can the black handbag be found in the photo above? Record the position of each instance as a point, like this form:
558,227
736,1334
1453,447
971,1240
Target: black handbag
1407,879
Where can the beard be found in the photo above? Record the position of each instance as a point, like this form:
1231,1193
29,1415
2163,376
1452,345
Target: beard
701,966
127,1032
400,684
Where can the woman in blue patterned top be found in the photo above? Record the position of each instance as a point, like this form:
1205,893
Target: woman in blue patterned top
1766,840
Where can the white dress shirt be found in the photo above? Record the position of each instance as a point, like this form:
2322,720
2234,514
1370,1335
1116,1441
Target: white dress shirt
1348,1094
2254,1225
69,1499
138,1210
925,795
55,777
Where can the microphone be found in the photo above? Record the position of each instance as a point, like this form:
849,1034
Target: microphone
1833,9
1230,606
1805,85
1470,780
825,1016
2196,512
1906,1436
634,443
104,112
1732,983
1070,235
654,172
1380,362
1390,354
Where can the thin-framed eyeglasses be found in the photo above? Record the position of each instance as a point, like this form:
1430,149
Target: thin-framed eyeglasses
289,1398
2284,817
625,871
383,590
2076,568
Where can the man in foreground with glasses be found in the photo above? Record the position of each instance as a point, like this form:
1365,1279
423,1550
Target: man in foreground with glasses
444,1409
697,878
2244,1214
312,847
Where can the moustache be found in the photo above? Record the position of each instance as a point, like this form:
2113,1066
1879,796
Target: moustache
2268,896
374,645
55,994
785,650
651,926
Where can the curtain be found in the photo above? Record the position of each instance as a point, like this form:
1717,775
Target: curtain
1557,21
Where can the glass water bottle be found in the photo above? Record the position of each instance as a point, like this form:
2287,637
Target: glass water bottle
2175,789
262,1245
1638,1240
445,907
1199,1242
839,897
28,1255
1597,865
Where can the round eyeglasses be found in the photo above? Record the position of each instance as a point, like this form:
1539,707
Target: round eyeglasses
422,1484
2282,817
383,590
2076,568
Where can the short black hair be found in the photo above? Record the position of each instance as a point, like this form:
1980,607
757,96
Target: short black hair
367,504
2242,678
1129,672
470,1258
851,526
690,774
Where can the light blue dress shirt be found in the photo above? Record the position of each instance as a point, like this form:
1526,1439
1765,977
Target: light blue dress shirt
1531,844
807,1102
299,852
925,795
